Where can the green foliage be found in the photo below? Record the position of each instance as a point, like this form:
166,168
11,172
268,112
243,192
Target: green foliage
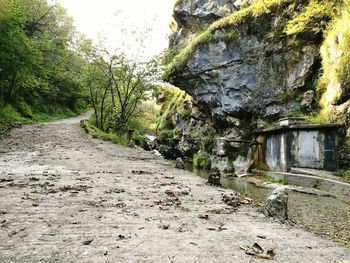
319,118
316,184
231,35
168,56
39,66
139,138
202,160
344,174
97,133
10,114
283,181
165,133
335,52
270,179
343,151
55,114
117,87
173,102
206,143
178,2
314,18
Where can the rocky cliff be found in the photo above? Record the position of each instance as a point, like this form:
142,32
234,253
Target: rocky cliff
244,61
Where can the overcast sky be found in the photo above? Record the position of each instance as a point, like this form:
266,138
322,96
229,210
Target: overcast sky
121,22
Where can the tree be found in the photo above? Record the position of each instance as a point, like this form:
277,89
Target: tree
117,85
39,64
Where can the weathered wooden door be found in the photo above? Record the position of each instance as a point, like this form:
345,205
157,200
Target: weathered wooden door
330,146
309,149
272,151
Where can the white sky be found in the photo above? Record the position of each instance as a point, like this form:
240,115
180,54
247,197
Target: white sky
119,23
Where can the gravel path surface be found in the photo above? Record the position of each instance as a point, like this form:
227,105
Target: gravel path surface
65,197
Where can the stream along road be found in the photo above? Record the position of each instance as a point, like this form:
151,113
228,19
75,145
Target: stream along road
66,197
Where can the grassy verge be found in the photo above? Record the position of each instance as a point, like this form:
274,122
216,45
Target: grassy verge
57,114
270,179
202,160
97,133
9,115
344,174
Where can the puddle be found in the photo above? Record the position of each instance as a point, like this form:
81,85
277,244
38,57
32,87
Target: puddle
326,216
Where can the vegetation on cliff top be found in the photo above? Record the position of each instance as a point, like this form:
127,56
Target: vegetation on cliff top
314,18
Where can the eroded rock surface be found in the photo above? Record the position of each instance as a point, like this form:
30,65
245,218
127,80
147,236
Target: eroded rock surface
277,204
247,76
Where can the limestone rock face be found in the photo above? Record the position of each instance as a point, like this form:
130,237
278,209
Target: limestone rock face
199,11
193,14
247,76
250,68
308,99
277,204
179,163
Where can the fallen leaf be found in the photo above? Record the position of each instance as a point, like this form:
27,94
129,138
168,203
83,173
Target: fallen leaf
206,217
257,248
87,242
258,252
165,227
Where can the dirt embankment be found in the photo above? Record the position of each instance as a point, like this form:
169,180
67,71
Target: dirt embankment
68,198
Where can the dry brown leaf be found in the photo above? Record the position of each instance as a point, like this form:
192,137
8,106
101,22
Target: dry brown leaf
257,248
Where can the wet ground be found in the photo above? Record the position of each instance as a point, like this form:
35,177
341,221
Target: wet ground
321,214
66,197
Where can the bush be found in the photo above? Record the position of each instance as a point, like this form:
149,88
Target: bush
173,100
344,173
202,160
97,133
139,138
165,133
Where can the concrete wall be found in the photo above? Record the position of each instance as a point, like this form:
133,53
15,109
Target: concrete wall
300,148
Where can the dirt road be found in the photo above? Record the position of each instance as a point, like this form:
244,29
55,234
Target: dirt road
65,197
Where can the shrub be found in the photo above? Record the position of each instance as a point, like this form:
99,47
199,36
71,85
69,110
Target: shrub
202,160
344,173
139,138
165,133
97,133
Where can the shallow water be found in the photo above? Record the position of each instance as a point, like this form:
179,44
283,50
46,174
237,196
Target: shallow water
326,216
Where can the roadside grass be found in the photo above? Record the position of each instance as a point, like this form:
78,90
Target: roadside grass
9,115
270,179
97,133
344,174
56,114
202,160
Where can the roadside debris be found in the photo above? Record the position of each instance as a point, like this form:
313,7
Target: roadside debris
235,200
87,242
277,204
257,251
206,217
214,177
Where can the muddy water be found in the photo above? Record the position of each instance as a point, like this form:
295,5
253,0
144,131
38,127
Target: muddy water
326,216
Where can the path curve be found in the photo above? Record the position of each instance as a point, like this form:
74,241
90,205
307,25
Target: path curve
65,197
